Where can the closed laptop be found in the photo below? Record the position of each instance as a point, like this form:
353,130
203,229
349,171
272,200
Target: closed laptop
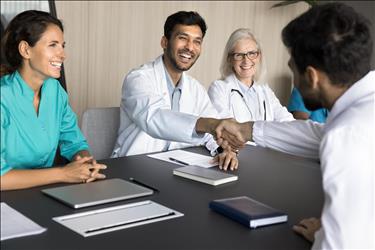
98,192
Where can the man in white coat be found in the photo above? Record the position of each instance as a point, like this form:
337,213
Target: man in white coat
330,47
161,104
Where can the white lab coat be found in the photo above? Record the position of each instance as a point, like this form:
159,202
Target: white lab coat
147,122
347,154
298,137
230,104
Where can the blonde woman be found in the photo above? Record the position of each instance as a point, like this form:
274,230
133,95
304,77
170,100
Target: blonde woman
241,93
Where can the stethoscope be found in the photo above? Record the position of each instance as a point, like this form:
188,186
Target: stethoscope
243,99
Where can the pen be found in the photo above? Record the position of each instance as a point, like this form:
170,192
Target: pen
178,161
142,184
129,223
264,105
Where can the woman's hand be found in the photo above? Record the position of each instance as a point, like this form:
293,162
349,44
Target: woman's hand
227,159
85,153
83,169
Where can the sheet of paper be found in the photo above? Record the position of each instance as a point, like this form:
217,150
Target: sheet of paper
14,224
251,143
185,156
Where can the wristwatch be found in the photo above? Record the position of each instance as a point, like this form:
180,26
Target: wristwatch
219,150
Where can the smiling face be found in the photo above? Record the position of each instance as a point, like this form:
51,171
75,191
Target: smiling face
245,68
183,48
45,59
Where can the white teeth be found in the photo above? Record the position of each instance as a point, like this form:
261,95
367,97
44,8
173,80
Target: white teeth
246,67
186,56
56,64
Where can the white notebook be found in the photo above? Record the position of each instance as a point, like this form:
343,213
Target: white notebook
208,176
14,224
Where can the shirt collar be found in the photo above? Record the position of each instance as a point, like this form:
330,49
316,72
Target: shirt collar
243,87
24,88
170,84
359,90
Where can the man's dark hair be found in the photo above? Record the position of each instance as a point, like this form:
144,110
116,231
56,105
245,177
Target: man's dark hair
185,18
333,38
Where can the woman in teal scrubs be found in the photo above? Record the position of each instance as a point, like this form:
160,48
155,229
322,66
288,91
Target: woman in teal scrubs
36,116
299,111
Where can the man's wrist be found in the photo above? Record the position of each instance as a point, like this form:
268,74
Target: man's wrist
248,130
206,125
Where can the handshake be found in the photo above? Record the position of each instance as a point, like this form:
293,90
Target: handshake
228,133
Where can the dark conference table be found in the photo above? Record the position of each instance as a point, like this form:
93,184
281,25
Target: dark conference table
288,183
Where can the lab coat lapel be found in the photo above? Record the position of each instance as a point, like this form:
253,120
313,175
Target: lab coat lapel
161,80
262,102
187,98
235,99
233,82
237,103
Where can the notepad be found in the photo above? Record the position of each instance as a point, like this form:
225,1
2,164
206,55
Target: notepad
248,212
110,219
186,157
208,176
14,224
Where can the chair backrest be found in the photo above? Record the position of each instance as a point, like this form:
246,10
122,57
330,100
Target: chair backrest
100,126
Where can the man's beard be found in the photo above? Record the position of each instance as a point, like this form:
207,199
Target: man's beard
173,60
312,104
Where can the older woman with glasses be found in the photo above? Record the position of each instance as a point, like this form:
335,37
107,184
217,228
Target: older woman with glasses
241,93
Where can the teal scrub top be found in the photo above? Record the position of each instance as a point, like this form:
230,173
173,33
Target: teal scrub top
29,140
296,104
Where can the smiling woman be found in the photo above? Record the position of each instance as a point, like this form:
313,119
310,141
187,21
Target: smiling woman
41,120
44,59
242,93
9,9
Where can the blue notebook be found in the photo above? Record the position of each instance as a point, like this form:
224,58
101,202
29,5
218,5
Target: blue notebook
248,212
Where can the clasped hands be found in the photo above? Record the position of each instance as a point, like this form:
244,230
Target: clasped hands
228,133
91,169
83,168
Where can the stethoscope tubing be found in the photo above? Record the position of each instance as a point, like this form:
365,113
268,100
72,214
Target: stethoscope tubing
243,99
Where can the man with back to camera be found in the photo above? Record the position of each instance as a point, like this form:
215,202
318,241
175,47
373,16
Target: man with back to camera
161,104
330,50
